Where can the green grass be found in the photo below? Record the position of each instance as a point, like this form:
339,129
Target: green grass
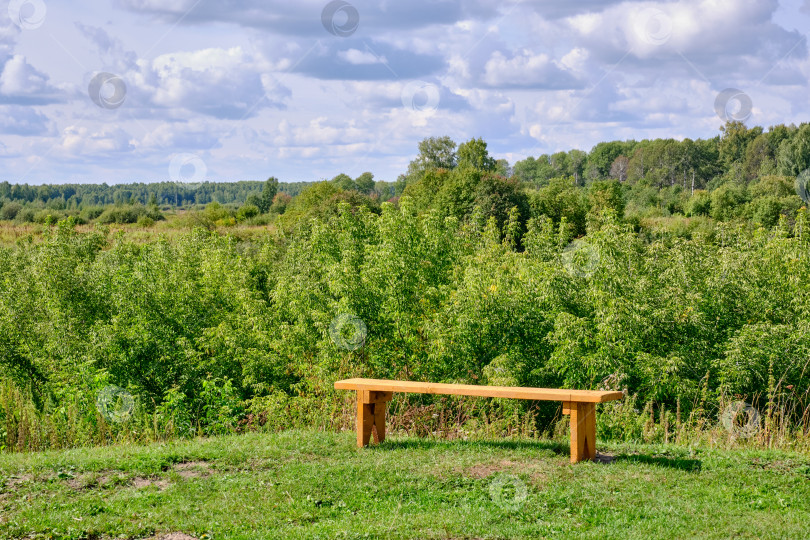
306,484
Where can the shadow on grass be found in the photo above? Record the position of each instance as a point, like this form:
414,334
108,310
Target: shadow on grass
417,443
681,464
542,447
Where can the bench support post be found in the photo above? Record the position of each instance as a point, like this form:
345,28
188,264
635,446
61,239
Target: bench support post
583,430
371,408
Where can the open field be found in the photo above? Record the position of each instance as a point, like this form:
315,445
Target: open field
307,484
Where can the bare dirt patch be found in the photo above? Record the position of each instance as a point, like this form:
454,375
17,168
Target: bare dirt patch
192,469
12,482
484,470
172,536
141,482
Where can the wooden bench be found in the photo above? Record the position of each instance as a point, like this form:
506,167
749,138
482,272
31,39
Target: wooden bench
373,396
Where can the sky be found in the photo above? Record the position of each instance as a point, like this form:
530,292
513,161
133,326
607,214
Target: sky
222,90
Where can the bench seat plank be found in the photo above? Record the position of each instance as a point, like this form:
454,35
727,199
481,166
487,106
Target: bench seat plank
515,392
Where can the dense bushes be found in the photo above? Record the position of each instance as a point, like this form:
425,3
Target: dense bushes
129,214
207,332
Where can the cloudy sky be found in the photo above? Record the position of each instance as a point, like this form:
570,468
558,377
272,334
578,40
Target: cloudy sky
149,90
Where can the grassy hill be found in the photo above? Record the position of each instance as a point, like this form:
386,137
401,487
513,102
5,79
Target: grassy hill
307,484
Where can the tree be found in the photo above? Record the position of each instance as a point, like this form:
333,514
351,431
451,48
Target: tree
793,157
268,192
254,200
759,158
561,199
560,164
473,153
280,203
734,142
502,168
365,183
577,158
604,154
434,153
619,168
344,182
534,171
604,195
727,201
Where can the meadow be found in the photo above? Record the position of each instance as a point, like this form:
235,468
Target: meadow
309,484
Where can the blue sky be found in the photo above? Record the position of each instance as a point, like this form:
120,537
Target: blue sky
226,90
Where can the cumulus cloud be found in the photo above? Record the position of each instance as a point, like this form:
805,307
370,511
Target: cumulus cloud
355,56
21,83
79,140
169,136
366,60
708,32
527,69
223,83
21,120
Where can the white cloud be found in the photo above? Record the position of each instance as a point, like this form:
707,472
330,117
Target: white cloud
215,82
20,120
526,69
22,83
77,141
355,56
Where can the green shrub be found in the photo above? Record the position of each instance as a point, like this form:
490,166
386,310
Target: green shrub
25,215
145,221
699,204
129,214
91,213
246,212
10,210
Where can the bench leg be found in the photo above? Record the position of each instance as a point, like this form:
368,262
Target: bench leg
583,430
379,421
371,408
365,421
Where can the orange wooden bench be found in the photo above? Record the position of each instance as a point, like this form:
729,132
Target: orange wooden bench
373,396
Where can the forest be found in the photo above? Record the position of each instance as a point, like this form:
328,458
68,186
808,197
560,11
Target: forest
677,271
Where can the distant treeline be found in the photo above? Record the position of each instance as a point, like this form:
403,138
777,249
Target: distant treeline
77,196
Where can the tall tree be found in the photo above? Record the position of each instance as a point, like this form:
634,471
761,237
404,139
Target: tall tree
734,142
793,157
434,153
344,182
365,183
619,168
474,154
268,192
